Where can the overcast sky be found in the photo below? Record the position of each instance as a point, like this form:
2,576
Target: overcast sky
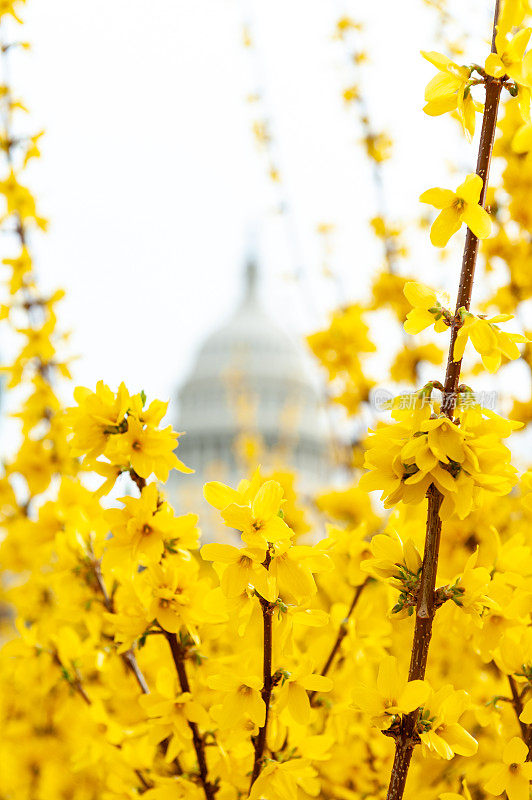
151,178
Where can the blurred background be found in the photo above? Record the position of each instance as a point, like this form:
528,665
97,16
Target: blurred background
206,177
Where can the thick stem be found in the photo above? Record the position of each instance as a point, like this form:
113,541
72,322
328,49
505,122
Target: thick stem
267,685
342,633
178,656
420,644
406,739
425,605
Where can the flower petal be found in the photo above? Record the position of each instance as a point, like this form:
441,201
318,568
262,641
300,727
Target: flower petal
444,226
515,751
439,198
477,220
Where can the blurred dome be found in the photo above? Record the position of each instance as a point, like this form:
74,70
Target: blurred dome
252,382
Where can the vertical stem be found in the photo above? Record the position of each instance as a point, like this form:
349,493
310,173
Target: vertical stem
405,741
518,708
517,702
197,739
266,693
487,138
342,633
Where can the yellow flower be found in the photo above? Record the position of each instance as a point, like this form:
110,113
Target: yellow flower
509,55
488,340
466,794
295,685
512,14
220,496
292,567
408,360
176,595
473,583
242,567
522,141
145,526
171,710
21,266
243,698
526,714
8,7
19,199
460,457
351,94
282,781
526,489
391,558
446,736
514,654
449,90
455,796
130,618
147,449
338,347
457,207
97,415
387,290
378,146
392,696
516,773
427,309
345,24
259,522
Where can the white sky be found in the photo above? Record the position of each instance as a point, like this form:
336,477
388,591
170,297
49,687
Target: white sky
151,178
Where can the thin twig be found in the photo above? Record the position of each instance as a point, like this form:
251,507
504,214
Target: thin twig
406,739
77,684
178,655
128,657
266,693
342,633
517,702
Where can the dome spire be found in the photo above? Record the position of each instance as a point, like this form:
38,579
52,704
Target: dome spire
251,278
251,272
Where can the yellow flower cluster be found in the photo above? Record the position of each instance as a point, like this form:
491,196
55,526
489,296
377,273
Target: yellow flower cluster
120,428
489,341
463,456
144,661
340,349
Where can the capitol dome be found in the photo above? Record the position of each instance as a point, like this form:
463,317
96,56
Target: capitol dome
252,382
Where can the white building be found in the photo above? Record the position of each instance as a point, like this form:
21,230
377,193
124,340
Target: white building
250,399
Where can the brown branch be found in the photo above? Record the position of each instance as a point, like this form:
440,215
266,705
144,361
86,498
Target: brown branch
342,633
140,482
75,682
128,657
266,693
487,138
178,655
77,685
405,740
517,702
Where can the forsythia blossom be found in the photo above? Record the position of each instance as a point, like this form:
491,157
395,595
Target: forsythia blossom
462,457
450,90
455,208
